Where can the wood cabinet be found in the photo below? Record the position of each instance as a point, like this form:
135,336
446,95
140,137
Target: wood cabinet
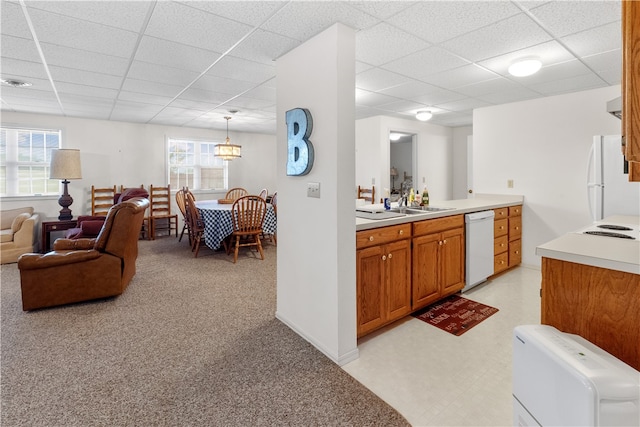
438,259
383,276
631,85
601,305
507,235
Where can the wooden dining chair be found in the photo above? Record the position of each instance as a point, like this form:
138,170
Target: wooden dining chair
180,201
102,200
160,216
196,224
369,194
247,215
236,193
263,193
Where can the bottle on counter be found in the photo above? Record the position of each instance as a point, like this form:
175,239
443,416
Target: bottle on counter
412,196
425,196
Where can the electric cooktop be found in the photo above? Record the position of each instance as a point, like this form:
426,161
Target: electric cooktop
612,230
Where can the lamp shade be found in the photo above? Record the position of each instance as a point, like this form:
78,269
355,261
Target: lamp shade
394,172
227,151
65,164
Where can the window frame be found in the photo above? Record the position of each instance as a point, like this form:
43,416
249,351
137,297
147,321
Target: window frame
196,175
12,164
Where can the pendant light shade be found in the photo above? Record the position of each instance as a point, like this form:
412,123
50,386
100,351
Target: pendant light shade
227,151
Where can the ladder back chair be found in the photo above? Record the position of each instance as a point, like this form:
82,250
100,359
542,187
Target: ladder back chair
181,202
196,224
369,194
160,216
102,200
247,214
236,193
263,193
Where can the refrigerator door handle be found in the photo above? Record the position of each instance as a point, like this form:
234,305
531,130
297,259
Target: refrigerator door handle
590,185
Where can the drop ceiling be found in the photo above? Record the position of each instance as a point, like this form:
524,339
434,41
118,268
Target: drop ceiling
190,63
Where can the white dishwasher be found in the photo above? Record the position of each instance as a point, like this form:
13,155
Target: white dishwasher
479,248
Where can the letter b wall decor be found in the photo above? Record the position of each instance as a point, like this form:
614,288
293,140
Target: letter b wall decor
299,148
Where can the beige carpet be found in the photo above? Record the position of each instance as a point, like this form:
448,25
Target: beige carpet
191,342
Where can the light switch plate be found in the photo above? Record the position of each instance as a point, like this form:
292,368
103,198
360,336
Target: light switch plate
313,189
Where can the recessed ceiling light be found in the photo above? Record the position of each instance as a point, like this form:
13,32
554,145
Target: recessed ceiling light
525,67
14,83
423,116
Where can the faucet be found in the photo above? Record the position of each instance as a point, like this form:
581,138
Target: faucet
402,200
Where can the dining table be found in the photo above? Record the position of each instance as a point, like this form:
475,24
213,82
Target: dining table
218,224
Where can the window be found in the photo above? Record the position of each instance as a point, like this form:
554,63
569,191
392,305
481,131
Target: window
192,164
24,161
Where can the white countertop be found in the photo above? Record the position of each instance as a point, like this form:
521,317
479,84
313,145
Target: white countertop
478,203
597,251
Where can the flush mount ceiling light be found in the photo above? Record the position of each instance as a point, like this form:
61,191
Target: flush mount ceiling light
394,136
525,67
227,151
14,83
424,115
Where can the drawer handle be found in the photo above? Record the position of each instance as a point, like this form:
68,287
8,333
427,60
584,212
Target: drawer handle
371,238
401,232
384,257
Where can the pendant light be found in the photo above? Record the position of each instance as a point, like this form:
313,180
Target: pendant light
227,151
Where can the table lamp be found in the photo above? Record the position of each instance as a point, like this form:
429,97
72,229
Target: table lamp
65,165
394,173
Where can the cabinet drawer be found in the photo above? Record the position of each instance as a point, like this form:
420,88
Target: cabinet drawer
500,262
500,245
501,213
515,228
377,236
515,210
515,252
437,225
500,227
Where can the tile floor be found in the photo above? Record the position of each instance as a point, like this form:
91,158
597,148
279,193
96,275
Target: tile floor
434,378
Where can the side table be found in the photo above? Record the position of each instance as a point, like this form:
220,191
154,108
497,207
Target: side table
51,225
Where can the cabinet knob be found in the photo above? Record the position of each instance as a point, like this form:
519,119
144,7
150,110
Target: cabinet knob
371,238
390,256
401,232
384,257
517,228
445,241
517,252
502,227
440,242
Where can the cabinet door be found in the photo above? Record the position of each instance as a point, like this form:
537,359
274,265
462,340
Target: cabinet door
426,270
370,289
452,261
398,271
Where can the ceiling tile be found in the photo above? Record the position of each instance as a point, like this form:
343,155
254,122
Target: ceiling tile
91,91
598,40
251,13
383,43
222,85
408,89
556,87
463,105
439,21
174,21
83,60
152,88
437,97
425,62
63,30
19,48
372,99
13,22
242,69
176,55
87,78
488,86
161,74
567,17
511,95
550,73
515,33
144,98
23,70
377,79
264,46
549,53
461,76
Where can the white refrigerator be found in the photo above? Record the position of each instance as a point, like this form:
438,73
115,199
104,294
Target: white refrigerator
608,186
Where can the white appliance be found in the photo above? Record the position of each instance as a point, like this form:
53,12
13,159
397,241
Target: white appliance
608,186
479,248
561,379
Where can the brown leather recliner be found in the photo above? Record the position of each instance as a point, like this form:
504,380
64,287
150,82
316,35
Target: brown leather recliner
85,269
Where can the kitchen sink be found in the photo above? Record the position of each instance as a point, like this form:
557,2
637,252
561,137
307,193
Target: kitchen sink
418,210
432,208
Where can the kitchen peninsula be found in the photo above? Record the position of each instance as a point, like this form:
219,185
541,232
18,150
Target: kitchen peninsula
405,262
591,287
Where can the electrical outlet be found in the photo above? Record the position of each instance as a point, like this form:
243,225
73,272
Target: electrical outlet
313,189
509,183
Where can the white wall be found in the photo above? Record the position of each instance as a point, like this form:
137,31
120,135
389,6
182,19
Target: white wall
434,154
316,236
132,154
460,161
543,146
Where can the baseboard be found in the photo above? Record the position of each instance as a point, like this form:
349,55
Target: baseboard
339,360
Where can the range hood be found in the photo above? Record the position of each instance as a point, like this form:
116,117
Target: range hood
615,107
